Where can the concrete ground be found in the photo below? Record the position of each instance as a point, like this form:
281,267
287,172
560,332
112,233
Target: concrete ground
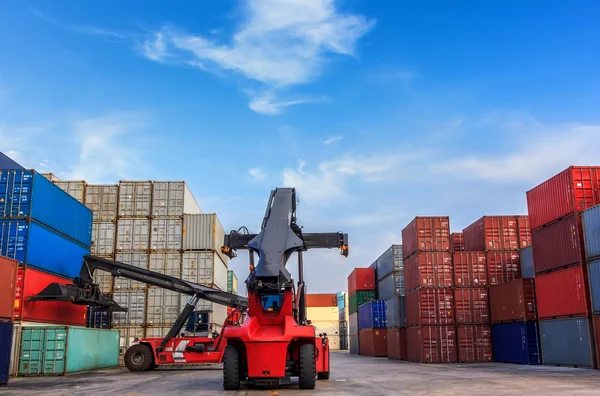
350,375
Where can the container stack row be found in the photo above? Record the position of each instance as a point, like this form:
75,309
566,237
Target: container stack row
361,290
564,220
323,313
342,303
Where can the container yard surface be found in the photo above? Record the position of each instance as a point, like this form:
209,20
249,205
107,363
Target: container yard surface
351,375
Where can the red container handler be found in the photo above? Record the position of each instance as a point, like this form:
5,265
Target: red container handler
29,283
471,306
457,242
470,269
8,285
503,267
373,342
572,190
321,300
474,344
396,344
430,234
431,344
562,294
430,307
558,245
428,269
361,279
493,233
513,301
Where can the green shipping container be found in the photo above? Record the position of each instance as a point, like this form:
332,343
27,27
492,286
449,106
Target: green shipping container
232,282
60,350
359,298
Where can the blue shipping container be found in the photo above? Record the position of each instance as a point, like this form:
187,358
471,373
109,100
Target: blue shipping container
372,315
37,246
567,342
97,319
395,312
516,342
27,194
591,231
389,261
594,274
341,300
6,330
390,286
7,163
526,255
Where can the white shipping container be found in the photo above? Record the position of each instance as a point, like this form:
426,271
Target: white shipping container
164,306
320,314
327,327
136,259
103,238
133,234
172,199
165,234
135,198
50,176
127,336
76,189
166,263
102,200
161,331
204,268
204,232
104,280
135,302
334,342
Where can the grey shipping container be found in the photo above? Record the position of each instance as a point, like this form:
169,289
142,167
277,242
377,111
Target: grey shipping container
103,238
591,227
75,188
390,286
567,342
166,263
354,344
594,274
103,201
133,234
396,312
135,198
165,234
203,232
173,199
8,163
205,268
136,259
135,301
163,306
527,269
353,323
389,261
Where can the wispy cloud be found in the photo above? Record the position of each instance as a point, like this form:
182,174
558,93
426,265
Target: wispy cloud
257,174
282,43
332,140
89,30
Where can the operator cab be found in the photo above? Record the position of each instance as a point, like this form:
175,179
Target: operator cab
271,302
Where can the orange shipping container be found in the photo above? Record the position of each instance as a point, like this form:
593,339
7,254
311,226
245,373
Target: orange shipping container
321,300
8,280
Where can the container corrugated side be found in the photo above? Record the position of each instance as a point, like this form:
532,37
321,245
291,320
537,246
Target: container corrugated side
492,233
319,314
133,234
354,344
359,298
166,234
321,300
567,342
591,231
8,163
6,335
389,261
163,306
102,200
135,198
103,238
390,286
516,342
139,260
396,312
594,277
203,232
75,188
457,242
513,301
27,194
353,323
527,266
558,245
426,234
503,267
8,287
372,315
190,206
562,293
205,268
167,263
91,349
135,302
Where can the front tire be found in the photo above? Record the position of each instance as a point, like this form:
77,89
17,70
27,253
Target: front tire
308,367
139,358
231,368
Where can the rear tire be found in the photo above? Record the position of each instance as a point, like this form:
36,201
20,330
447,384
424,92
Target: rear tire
308,367
323,375
231,368
139,357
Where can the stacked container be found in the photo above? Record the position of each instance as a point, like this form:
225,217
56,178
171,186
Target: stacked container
232,287
428,271
372,328
342,304
361,290
561,266
8,284
591,225
457,242
322,310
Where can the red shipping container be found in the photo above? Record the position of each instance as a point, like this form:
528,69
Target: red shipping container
524,231
428,269
513,301
572,190
431,344
8,285
321,300
457,242
430,307
474,344
562,293
492,233
470,269
429,234
558,245
373,342
29,283
472,306
361,279
396,344
503,267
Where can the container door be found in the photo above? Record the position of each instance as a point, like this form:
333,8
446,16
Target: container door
43,351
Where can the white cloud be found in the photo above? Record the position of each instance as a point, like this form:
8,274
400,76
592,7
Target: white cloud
267,104
281,43
257,174
332,140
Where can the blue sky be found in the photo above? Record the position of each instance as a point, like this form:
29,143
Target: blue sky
375,111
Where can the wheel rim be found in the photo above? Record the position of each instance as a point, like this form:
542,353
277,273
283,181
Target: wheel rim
138,359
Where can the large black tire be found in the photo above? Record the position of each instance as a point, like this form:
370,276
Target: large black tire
323,375
139,357
308,367
231,368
